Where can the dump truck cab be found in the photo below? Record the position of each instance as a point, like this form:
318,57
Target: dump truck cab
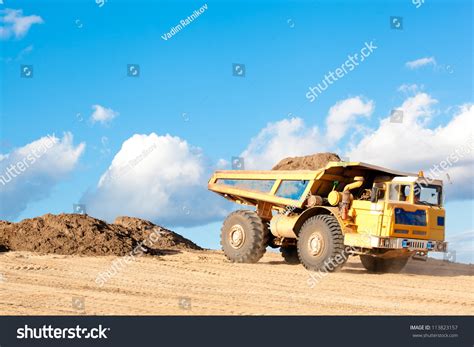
346,208
404,214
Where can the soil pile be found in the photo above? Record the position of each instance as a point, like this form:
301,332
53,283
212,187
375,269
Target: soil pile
165,239
309,162
85,235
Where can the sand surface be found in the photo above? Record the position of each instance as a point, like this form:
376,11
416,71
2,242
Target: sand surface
204,283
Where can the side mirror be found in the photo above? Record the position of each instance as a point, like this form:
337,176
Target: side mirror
374,194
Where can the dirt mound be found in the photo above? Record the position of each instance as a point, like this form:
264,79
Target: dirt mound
309,162
82,234
143,229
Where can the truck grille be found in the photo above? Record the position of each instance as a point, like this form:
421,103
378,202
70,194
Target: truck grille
413,244
403,243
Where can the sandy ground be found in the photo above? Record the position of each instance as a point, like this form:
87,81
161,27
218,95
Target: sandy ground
204,283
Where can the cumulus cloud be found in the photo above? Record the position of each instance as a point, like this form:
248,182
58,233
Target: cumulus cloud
29,173
15,24
416,64
163,178
159,178
410,88
292,137
288,137
343,115
445,152
102,114
413,145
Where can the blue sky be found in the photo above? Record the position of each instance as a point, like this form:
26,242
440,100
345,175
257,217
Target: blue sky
79,52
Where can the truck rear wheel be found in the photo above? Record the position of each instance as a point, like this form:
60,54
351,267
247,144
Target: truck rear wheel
290,254
321,244
382,265
244,237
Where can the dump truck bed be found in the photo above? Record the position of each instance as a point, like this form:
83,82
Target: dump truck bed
284,188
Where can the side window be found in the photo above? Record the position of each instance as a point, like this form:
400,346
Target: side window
405,192
380,190
399,192
259,185
291,189
394,190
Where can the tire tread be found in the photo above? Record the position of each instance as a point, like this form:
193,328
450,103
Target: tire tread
259,237
336,235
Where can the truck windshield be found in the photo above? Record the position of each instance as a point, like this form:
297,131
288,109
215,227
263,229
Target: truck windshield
427,194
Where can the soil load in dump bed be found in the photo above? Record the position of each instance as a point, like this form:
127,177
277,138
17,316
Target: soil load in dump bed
310,162
85,235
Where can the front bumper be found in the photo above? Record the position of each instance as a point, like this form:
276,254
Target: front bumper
370,241
409,244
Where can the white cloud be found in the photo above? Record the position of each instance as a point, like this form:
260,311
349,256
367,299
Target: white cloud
412,145
223,164
29,173
102,114
160,178
163,178
415,64
292,137
410,88
343,115
15,24
285,138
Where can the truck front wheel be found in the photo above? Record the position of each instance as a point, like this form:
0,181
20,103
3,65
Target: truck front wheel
382,265
321,244
244,237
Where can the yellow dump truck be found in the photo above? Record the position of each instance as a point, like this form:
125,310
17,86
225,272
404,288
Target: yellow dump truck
319,218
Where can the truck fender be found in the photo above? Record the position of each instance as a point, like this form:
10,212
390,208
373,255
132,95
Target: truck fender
314,211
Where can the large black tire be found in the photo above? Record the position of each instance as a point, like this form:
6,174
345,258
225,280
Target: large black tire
321,244
244,237
381,265
290,254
